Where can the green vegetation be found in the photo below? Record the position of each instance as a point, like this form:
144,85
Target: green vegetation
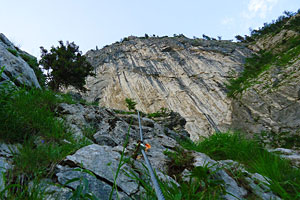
261,62
274,27
14,52
89,132
279,140
130,103
284,179
180,159
21,192
28,118
200,183
163,112
281,23
280,56
82,191
66,66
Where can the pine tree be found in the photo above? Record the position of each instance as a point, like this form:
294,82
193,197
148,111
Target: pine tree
66,66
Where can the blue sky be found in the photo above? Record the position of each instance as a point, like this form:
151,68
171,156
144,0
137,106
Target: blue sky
34,23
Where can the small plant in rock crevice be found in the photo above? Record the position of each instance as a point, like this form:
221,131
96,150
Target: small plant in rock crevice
130,103
180,159
163,112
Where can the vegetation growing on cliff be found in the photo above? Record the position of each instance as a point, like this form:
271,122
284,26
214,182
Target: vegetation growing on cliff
281,55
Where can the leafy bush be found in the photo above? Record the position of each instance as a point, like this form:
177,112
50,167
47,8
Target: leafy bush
199,184
180,159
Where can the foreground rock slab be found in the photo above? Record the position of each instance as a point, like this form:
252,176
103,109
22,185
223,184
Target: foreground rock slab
103,162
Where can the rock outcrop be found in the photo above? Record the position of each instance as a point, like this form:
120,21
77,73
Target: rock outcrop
16,69
181,74
272,102
102,158
271,105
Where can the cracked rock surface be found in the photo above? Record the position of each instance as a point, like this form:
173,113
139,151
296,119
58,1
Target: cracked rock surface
184,75
102,158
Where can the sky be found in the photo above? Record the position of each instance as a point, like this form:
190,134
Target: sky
30,24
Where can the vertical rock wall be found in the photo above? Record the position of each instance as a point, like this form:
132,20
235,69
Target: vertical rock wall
181,74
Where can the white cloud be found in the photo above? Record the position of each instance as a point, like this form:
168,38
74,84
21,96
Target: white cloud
259,8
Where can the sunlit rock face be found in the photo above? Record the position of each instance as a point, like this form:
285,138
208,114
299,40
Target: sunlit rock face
185,75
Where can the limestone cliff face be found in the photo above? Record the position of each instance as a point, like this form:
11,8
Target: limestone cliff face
181,74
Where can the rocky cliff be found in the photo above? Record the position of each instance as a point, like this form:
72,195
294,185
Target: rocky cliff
272,102
181,74
16,68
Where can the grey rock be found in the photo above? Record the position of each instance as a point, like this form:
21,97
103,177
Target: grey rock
52,191
289,154
103,162
16,69
96,187
105,140
6,153
259,184
231,186
7,150
264,107
4,166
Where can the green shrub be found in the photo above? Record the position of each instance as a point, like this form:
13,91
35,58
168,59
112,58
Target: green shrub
277,25
123,112
180,159
29,113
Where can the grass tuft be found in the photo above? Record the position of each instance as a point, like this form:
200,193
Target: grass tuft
284,178
28,118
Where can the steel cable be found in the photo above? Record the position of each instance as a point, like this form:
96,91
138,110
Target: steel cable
157,189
